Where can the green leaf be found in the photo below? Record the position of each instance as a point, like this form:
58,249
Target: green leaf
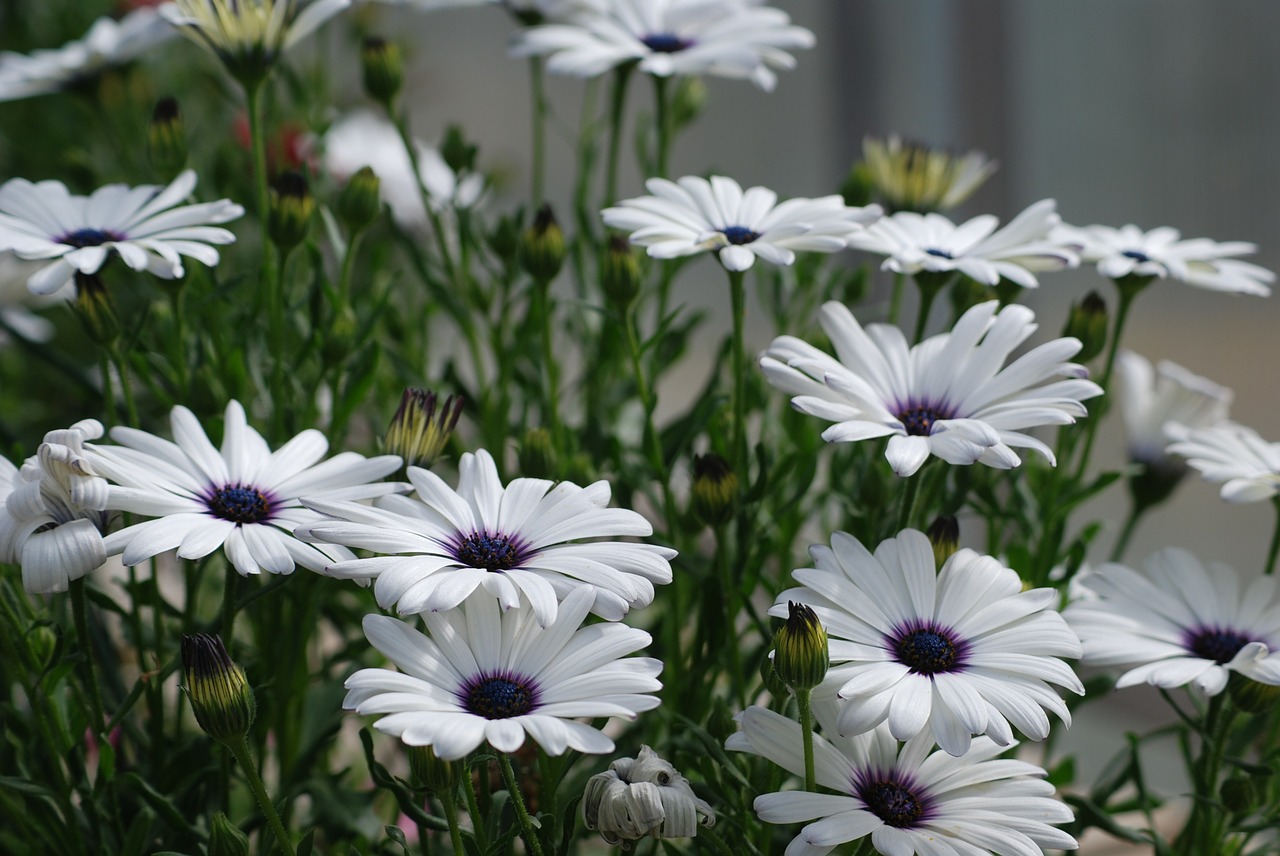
1089,814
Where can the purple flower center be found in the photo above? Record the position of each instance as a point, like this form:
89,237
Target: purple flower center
739,234
942,254
1136,255
928,649
1216,644
893,798
240,503
82,238
489,550
918,419
666,43
498,696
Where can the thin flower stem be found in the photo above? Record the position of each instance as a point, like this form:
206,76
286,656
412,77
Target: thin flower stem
80,615
663,121
716,841
126,386
348,266
1127,294
450,801
617,114
240,749
258,141
805,703
109,413
1203,832
738,296
542,289
653,442
909,492
473,809
1131,526
517,801
729,588
895,296
437,224
538,96
928,293
229,602
1275,540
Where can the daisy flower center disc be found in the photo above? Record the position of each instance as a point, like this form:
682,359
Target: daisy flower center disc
666,43
82,238
893,802
739,235
489,551
1221,646
919,420
928,650
1136,256
498,697
240,503
942,254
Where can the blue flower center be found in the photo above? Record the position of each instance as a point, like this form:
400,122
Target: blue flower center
666,43
942,254
240,503
493,552
894,803
1136,256
919,420
739,234
929,650
82,238
498,698
1220,646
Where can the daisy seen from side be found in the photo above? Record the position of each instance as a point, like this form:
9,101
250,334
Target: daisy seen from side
912,176
483,675
241,497
529,537
1237,457
950,396
695,215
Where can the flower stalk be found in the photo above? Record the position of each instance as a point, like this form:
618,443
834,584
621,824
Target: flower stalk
517,801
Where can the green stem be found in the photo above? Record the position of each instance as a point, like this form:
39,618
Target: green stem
539,109
126,386
652,440
473,808
928,293
730,589
79,612
258,141
240,749
738,297
895,297
663,121
450,800
804,701
55,358
1275,540
109,413
517,801
909,492
543,291
348,265
1130,526
1127,293
617,111
1203,833
229,602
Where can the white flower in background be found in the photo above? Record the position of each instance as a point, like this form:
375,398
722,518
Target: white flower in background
489,676
912,176
145,226
695,215
951,652
528,10
54,516
522,538
908,799
726,38
363,138
242,497
913,243
1247,466
1129,251
108,43
1177,622
950,396
1153,401
16,300
643,796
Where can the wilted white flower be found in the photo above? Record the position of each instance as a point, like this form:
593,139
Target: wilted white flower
643,796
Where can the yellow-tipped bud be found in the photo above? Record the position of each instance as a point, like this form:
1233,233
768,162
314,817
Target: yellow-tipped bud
434,773
620,272
542,250
361,200
944,535
1251,696
1088,323
95,309
715,489
383,68
289,217
220,695
801,654
420,429
167,139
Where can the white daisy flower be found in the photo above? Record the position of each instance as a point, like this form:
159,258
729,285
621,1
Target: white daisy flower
912,176
536,11
108,43
1129,251
488,676
54,516
1247,466
908,799
694,215
952,652
726,38
16,301
363,138
145,226
947,396
1157,400
913,243
522,538
242,498
1177,622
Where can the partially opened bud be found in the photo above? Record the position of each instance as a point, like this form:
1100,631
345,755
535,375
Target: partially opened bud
167,139
1088,323
620,272
292,204
715,489
420,429
220,695
944,535
433,772
542,250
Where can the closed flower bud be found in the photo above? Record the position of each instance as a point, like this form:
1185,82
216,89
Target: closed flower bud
1239,794
421,427
1088,323
944,535
361,200
505,240
167,139
457,152
537,455
289,217
620,272
542,250
715,489
95,309
225,838
800,651
1251,696
383,68
220,695
430,770
691,97
858,190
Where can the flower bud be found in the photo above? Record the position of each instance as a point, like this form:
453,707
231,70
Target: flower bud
505,240
714,491
1239,794
537,455
800,651
858,190
690,98
225,838
289,214
95,309
220,695
420,430
360,202
1251,696
383,68
167,139
620,272
542,250
944,535
457,152
1088,323
433,772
